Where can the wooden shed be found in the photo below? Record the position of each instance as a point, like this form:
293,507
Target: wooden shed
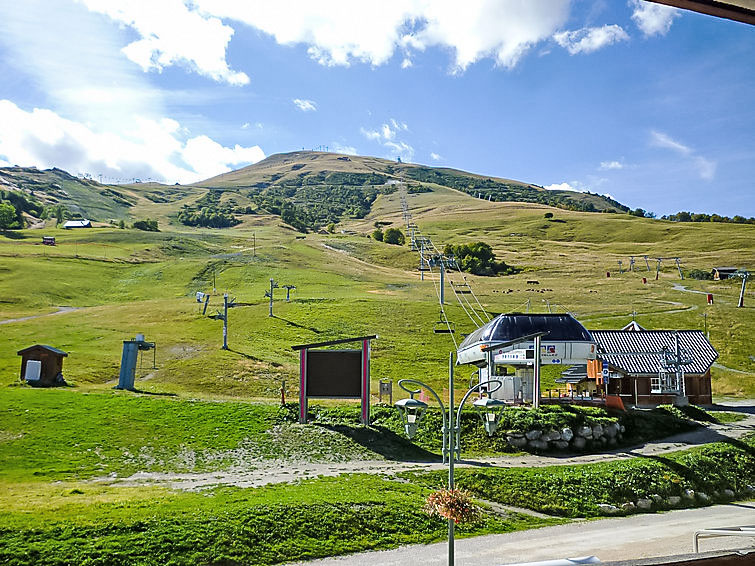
42,365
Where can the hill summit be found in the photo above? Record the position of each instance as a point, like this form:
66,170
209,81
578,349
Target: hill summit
289,173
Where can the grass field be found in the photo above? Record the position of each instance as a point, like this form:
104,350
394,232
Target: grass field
204,410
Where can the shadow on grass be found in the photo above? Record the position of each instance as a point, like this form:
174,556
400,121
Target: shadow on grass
297,325
244,355
385,442
151,393
12,235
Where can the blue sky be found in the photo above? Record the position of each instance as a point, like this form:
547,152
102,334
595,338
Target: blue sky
651,105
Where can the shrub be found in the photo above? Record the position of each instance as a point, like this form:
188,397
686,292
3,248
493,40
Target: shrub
147,225
378,235
548,215
394,236
479,259
699,274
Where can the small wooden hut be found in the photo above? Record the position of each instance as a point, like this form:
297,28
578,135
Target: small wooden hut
46,367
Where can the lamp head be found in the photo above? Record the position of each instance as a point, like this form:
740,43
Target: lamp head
412,410
490,410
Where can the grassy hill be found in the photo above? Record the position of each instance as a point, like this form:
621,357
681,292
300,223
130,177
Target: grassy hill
296,177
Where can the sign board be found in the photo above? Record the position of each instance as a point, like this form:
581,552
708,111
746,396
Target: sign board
550,353
334,374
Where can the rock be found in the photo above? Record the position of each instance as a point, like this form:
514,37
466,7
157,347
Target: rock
584,432
579,442
611,441
567,434
606,509
622,429
674,500
611,430
703,497
645,504
628,507
560,444
517,441
552,435
597,431
688,494
657,499
533,434
538,444
728,494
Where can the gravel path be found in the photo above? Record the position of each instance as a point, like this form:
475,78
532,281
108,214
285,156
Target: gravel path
265,472
61,310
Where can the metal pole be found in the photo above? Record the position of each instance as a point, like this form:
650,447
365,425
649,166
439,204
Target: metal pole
421,260
679,267
225,321
271,298
741,302
451,450
536,391
442,278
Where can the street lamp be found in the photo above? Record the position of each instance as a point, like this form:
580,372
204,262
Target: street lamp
412,410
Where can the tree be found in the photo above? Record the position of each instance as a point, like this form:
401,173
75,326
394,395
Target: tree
59,215
378,235
7,216
394,236
146,225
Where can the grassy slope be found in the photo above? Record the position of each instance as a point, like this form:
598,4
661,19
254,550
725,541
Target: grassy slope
128,282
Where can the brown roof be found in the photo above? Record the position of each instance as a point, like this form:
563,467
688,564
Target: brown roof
43,346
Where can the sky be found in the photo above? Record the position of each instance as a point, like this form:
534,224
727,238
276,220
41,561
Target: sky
648,104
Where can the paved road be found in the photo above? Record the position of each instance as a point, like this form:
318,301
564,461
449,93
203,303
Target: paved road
637,536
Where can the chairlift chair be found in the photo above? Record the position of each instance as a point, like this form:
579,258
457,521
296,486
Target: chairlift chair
443,325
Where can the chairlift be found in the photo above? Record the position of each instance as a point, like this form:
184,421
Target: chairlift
443,325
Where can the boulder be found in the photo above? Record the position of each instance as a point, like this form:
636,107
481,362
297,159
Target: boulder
567,434
703,497
728,494
517,441
538,444
622,429
606,509
645,504
597,431
579,442
611,441
674,500
584,432
628,507
560,444
533,434
657,499
551,435
688,494
611,430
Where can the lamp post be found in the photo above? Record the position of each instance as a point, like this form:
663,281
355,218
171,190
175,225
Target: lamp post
413,410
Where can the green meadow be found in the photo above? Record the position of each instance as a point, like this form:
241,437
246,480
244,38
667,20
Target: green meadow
66,453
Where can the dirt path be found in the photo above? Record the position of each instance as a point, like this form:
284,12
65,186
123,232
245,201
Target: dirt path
266,472
61,310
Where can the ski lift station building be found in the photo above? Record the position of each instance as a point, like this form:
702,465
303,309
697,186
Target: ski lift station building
642,367
42,365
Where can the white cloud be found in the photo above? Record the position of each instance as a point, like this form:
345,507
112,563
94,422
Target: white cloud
561,187
406,63
651,18
608,165
705,168
305,105
435,157
245,126
659,139
387,134
588,40
173,32
340,32
345,149
158,149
